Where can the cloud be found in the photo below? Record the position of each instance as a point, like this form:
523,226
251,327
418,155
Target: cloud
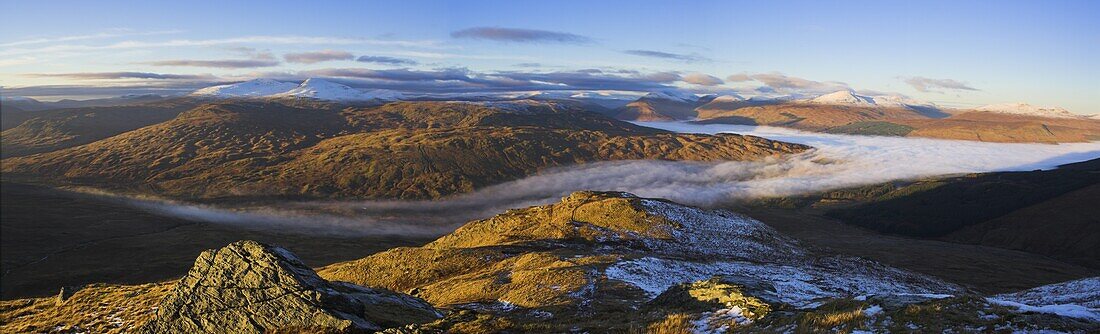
318,56
702,79
528,65
690,58
922,84
285,40
780,83
102,35
227,63
520,35
385,60
740,77
123,75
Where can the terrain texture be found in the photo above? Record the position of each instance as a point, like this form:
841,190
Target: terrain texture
602,262
407,150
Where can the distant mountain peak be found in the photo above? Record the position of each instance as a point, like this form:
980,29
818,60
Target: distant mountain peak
322,89
844,97
251,88
672,94
729,98
1021,108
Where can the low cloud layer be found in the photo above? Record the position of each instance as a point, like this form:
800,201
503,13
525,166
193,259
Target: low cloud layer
226,63
317,56
922,84
837,161
690,58
123,75
702,79
385,60
520,35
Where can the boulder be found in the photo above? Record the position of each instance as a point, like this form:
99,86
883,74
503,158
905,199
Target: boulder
249,287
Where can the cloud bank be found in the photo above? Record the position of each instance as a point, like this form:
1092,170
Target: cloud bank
690,58
385,60
520,35
922,84
225,63
317,56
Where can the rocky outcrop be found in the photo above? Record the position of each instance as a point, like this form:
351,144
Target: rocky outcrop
249,287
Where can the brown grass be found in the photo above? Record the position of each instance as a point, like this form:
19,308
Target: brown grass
97,308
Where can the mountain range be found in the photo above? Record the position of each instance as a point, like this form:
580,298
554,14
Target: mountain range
307,148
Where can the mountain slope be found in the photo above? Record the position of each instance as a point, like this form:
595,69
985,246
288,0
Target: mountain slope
601,253
594,262
321,89
660,106
400,150
1044,212
1021,108
51,130
251,88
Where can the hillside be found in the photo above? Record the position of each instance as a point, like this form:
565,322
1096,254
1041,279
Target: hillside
1043,212
806,116
594,262
398,150
857,115
661,106
51,130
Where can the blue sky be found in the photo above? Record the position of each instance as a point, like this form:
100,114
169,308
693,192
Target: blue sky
957,53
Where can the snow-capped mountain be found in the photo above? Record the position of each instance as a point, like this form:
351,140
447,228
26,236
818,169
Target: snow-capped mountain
844,98
251,88
728,98
1021,108
312,88
849,98
900,101
322,89
671,94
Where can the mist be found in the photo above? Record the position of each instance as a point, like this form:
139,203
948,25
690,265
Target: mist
837,161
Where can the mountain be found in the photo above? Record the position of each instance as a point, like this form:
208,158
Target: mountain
1005,127
844,97
594,262
1025,109
608,262
845,112
321,89
660,106
251,88
1042,212
399,150
51,130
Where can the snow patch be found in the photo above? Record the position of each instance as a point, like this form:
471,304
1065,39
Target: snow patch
1021,108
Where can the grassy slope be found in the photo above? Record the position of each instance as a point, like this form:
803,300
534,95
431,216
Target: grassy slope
401,150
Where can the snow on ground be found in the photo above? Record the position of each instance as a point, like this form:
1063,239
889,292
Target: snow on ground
795,284
1065,310
1021,108
251,88
1085,292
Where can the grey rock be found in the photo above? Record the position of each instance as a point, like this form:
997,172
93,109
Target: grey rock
249,287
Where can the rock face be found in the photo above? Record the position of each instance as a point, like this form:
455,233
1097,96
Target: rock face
249,287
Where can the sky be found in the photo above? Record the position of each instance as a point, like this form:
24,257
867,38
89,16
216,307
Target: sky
954,53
